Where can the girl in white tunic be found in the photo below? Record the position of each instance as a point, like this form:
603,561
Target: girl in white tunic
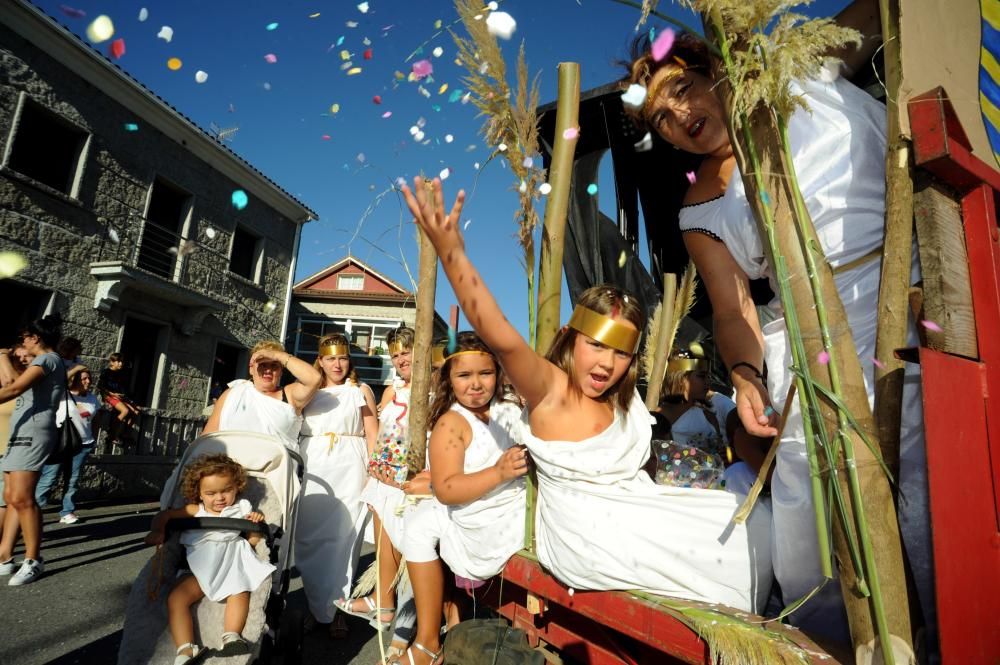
477,513
602,523
338,434
387,472
224,566
838,148
261,404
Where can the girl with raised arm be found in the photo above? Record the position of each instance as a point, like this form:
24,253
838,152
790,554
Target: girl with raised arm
602,523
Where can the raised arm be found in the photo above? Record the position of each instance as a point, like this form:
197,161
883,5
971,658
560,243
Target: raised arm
530,374
308,378
737,329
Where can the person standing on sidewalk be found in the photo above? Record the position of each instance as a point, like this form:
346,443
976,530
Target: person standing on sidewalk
81,412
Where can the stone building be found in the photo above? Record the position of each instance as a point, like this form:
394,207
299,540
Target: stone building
146,233
351,297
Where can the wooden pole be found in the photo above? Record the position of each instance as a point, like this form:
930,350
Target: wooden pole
420,379
894,288
556,207
663,342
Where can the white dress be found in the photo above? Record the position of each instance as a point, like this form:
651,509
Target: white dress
390,449
331,513
476,538
838,152
223,561
248,410
603,524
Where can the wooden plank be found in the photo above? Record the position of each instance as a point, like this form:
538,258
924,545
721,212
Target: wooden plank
945,267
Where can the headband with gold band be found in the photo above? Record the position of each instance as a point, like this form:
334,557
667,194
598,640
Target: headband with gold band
465,353
604,329
334,350
672,72
687,365
397,347
437,355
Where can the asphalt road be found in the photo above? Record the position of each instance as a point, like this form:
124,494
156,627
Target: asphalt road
74,613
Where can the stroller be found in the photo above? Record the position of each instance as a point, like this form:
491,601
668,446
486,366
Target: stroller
275,476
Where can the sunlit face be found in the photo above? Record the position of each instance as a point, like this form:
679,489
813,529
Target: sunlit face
473,378
335,368
687,113
598,366
266,375
217,492
401,361
696,385
23,356
84,381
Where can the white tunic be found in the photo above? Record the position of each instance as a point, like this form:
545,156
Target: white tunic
476,538
838,152
390,449
603,524
223,561
331,513
248,410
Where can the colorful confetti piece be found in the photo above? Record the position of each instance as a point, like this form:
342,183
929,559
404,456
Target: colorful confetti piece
662,44
592,189
571,133
353,71
271,58
363,8
387,114
930,325
166,33
367,55
501,25
692,178
422,69
437,52
100,29
377,99
117,49
173,64
72,12
240,199
143,14
444,173
635,96
334,109
544,189
823,357
271,26
11,263
878,363
210,232
622,258
131,127
200,76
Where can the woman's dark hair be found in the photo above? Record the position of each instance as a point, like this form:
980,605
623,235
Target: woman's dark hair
48,329
116,357
76,381
444,396
337,339
610,301
69,348
688,53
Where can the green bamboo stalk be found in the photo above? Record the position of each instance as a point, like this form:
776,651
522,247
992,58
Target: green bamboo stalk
657,373
420,380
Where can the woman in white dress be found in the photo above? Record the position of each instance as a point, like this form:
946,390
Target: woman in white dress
338,434
838,152
261,404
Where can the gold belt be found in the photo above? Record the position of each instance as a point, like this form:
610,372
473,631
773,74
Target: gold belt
860,261
333,439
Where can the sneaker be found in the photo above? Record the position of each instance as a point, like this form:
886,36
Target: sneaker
31,570
69,518
8,567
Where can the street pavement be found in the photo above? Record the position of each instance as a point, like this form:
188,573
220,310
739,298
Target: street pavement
74,613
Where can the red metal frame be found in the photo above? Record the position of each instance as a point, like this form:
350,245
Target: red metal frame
962,405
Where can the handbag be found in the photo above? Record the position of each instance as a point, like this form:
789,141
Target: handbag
69,442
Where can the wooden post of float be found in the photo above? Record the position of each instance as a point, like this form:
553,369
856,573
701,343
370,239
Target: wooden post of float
663,342
420,380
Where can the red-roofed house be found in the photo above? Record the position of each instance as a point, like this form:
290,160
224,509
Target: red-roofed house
351,297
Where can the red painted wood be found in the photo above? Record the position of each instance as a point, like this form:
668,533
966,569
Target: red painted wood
966,543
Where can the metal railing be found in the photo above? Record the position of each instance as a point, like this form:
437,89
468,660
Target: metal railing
157,433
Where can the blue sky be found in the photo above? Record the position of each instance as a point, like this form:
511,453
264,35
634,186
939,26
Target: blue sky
283,109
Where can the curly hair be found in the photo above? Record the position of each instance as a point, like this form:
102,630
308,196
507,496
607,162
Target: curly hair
211,465
444,396
610,301
337,339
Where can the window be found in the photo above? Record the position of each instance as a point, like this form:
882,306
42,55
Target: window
245,255
47,148
225,368
169,206
142,347
22,305
353,282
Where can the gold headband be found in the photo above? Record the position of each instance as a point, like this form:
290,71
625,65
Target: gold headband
437,355
687,365
334,350
396,347
465,353
671,74
604,329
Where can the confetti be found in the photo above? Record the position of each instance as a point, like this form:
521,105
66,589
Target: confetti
200,76
571,133
367,55
363,8
166,33
592,189
697,349
444,173
691,177
465,226
11,263
271,58
502,147
72,12
210,232
528,162
662,43
443,89
523,187
476,166
240,199
422,69
493,6
326,137
438,52
270,306
622,258
316,15
645,144
387,114
351,24
360,157
184,383
570,591
424,91
143,14
173,64
437,24
455,95
419,136
930,325
271,26
544,189
377,99
635,96
117,48
131,127
823,357
878,363
335,109
113,235
765,198
100,29
448,138
501,24
353,71
267,85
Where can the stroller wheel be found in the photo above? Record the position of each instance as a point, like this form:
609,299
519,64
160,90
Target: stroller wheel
290,635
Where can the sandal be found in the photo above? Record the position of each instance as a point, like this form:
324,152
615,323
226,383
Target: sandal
435,657
374,614
392,655
233,644
198,654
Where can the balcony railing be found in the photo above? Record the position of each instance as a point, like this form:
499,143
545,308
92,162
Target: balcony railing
157,433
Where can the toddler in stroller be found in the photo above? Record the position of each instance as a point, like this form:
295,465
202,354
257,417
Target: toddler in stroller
230,588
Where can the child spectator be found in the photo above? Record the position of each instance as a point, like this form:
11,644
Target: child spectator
112,385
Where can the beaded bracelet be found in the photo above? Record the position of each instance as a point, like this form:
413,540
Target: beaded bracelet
756,372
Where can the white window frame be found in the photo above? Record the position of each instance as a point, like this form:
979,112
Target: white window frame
354,277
